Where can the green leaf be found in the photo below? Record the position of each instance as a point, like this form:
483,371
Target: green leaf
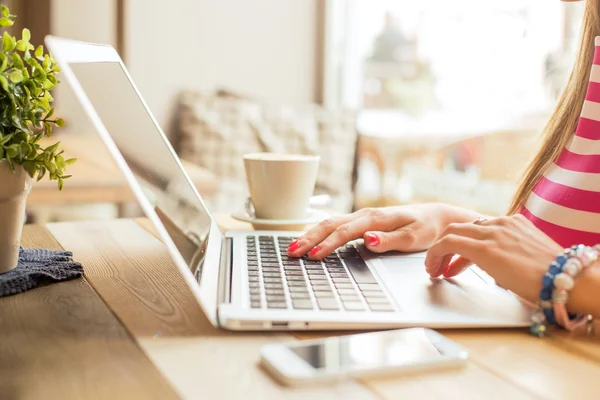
52,149
30,167
60,122
70,161
5,22
41,173
1,153
5,10
60,162
26,35
8,42
61,184
35,90
39,53
12,151
4,65
24,149
44,103
39,74
4,83
10,162
50,113
46,63
48,85
50,166
17,61
33,152
22,45
17,123
5,139
16,76
32,61
48,128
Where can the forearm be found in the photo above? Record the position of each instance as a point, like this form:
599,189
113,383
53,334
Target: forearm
585,296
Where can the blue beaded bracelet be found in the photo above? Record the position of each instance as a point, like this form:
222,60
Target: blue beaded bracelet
554,290
546,312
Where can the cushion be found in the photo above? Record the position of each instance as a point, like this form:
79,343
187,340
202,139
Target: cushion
214,131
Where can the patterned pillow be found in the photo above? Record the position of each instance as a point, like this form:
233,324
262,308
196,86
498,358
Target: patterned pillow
216,130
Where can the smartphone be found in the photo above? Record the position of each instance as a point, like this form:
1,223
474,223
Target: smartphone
364,355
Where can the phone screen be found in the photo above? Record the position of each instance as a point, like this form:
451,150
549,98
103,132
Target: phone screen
372,350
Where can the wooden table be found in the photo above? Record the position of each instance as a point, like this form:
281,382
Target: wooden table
130,329
96,177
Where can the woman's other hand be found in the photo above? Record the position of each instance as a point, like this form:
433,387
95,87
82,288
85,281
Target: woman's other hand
510,249
403,228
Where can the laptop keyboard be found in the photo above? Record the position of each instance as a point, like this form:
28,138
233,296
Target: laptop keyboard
342,281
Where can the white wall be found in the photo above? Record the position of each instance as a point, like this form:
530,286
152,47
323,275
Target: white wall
262,48
90,21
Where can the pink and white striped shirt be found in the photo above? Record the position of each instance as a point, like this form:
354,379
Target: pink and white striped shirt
565,202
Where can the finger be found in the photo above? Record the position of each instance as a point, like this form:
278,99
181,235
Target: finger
438,253
474,231
347,232
317,234
457,266
478,232
403,239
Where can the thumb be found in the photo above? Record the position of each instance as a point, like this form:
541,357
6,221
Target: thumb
457,266
399,240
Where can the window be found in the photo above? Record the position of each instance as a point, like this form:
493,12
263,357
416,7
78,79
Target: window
452,93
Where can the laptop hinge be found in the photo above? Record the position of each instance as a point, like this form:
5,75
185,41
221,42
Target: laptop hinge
224,291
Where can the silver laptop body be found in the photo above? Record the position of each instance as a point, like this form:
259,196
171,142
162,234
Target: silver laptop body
244,280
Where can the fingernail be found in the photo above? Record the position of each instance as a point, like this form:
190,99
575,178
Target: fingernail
446,269
373,239
295,245
314,251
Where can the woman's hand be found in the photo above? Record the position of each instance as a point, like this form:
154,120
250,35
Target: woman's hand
511,249
407,228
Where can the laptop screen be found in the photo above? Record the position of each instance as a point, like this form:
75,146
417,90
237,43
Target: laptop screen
149,157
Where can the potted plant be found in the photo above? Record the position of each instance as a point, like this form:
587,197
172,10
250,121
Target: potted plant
27,75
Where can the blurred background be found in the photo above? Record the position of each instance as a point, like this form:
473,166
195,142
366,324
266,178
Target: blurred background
406,101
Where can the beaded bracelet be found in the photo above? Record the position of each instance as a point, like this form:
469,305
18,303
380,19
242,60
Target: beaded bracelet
580,257
556,284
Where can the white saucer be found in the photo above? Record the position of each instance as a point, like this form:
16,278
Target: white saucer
260,224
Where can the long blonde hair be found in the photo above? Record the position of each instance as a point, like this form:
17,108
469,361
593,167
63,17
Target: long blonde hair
563,122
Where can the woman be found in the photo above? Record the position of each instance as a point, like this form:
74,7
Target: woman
557,205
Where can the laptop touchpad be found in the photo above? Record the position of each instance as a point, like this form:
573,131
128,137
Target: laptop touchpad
467,293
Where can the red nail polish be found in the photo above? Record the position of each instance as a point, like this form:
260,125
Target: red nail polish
314,251
295,245
373,239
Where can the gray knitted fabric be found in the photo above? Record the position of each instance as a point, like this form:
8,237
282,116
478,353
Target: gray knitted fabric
39,267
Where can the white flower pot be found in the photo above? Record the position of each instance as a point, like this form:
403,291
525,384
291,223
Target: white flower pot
14,188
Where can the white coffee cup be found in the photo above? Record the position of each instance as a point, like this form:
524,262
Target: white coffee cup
281,184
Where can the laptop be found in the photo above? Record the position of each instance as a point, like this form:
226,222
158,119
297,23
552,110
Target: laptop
245,280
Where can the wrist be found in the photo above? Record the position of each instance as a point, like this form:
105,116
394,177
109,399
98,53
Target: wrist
585,296
566,273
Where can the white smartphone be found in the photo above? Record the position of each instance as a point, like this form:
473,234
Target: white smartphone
364,355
